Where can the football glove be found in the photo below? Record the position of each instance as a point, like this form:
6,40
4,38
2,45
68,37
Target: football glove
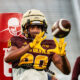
37,41
60,47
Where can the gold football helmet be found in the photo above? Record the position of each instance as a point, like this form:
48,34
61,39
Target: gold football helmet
33,17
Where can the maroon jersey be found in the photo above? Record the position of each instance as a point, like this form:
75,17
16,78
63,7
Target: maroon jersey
34,57
76,69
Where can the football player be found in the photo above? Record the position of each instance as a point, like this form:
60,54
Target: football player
31,54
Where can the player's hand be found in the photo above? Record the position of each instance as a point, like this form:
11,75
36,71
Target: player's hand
60,47
38,39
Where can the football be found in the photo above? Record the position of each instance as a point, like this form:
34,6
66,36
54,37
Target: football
61,28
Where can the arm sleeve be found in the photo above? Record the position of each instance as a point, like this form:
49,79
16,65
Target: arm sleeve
76,69
13,41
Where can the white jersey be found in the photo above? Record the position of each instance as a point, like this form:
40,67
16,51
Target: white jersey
29,74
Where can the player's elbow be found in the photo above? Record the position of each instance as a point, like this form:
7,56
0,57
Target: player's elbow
67,72
6,59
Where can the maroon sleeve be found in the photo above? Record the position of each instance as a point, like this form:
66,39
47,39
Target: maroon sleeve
13,41
76,69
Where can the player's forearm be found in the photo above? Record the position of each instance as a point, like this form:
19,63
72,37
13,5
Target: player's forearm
61,63
16,54
65,65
